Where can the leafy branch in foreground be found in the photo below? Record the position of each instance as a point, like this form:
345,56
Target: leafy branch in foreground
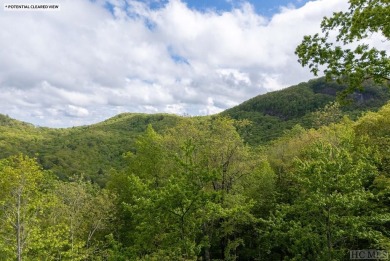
350,58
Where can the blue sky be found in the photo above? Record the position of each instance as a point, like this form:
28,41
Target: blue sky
86,62
263,7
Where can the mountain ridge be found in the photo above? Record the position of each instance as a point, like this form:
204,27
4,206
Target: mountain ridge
93,150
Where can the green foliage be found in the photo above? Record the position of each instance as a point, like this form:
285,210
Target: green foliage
273,113
331,113
21,202
350,63
197,207
332,184
45,219
91,151
376,126
327,204
85,211
148,159
194,189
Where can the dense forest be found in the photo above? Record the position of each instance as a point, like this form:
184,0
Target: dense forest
297,174
260,181
95,149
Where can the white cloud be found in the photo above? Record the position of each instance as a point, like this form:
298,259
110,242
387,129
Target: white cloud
210,108
74,111
84,64
175,108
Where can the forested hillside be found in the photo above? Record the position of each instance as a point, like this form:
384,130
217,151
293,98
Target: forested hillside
197,191
88,150
94,150
296,174
273,113
164,187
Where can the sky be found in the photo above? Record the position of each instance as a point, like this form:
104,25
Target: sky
91,60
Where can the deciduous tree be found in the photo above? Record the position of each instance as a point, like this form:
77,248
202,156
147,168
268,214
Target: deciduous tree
350,58
22,192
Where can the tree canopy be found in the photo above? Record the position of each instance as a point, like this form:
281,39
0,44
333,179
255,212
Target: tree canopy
197,191
350,58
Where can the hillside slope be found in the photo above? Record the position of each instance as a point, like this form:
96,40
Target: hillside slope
95,149
88,150
273,113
